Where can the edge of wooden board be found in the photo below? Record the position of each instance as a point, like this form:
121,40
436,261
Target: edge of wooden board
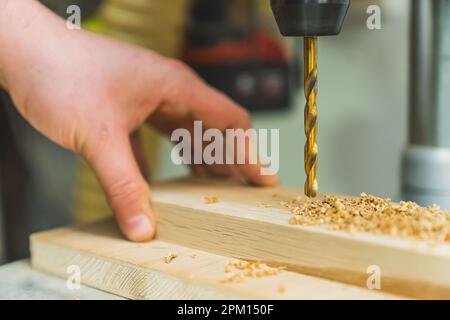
138,271
237,227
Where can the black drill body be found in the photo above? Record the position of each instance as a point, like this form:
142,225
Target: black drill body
310,18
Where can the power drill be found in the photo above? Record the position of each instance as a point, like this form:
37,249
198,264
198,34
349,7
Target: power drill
310,19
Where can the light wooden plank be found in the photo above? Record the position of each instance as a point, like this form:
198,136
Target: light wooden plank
18,281
237,226
138,270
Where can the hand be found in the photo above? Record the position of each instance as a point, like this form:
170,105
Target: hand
87,93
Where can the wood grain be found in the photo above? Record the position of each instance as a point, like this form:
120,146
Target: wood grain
238,226
132,270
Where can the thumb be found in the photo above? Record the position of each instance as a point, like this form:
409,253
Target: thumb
126,190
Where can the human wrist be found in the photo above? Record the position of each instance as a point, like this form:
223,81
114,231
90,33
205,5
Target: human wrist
27,31
4,12
22,24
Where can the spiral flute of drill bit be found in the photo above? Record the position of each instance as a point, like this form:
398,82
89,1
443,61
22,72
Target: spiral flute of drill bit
310,118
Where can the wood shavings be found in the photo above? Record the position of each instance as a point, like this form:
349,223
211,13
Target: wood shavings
281,289
233,277
265,205
170,257
210,199
372,214
237,271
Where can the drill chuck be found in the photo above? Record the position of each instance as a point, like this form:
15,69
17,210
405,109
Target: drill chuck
309,18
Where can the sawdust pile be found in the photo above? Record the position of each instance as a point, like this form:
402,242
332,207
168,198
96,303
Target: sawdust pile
237,271
210,199
371,214
170,257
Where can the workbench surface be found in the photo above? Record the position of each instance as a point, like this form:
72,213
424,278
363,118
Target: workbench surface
19,281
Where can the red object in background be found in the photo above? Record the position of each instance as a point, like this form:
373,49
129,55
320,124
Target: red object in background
260,46
247,62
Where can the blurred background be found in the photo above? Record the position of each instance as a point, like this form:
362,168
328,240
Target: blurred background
234,45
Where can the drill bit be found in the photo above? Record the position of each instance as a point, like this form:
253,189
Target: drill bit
310,117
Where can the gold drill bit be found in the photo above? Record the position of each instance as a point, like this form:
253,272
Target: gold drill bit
310,87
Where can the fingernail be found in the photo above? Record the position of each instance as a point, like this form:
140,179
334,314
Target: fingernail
138,228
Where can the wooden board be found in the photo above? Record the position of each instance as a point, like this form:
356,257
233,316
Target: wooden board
19,281
238,226
138,270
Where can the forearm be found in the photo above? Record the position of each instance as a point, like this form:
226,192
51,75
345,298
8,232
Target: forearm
26,27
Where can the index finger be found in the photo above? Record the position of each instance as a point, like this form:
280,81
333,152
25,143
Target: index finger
216,110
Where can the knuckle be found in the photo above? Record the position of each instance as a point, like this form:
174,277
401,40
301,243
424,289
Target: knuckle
177,65
246,118
124,192
241,118
94,140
